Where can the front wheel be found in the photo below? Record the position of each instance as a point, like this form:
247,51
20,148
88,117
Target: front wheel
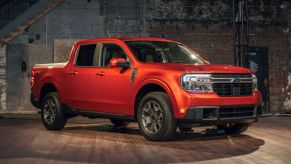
51,112
155,117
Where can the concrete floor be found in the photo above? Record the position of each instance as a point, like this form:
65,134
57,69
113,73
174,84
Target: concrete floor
24,139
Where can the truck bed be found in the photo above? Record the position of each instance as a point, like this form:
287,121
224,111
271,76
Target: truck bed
50,65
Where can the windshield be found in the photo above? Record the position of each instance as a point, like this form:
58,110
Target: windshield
162,52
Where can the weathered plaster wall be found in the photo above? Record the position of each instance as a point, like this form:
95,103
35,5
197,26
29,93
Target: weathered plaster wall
73,19
62,49
3,79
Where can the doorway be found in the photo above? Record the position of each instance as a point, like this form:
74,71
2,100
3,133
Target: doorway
14,76
258,63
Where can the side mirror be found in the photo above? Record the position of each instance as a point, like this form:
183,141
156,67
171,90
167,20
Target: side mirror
119,62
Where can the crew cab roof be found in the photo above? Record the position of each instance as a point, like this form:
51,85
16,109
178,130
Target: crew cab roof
124,39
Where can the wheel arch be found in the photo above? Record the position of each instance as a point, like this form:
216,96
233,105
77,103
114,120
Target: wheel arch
152,85
48,86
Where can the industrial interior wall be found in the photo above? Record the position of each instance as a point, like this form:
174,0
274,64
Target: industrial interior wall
205,26
72,19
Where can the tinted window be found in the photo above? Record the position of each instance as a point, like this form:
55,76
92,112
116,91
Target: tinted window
86,55
110,51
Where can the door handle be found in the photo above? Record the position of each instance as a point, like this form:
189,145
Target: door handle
101,73
73,72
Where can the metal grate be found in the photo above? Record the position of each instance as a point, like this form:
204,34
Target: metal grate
236,112
233,89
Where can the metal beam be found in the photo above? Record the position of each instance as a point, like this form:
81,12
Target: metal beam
241,32
27,18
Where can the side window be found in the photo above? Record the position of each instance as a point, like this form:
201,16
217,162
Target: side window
110,51
86,55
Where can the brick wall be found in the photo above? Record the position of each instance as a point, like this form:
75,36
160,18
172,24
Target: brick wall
277,42
215,44
287,102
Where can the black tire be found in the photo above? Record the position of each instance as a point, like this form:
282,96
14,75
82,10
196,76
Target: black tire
59,120
168,126
235,128
118,122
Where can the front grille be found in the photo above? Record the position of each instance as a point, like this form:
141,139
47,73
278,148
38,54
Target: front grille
236,112
233,89
232,84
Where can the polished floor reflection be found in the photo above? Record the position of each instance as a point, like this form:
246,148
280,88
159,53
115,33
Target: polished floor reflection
25,140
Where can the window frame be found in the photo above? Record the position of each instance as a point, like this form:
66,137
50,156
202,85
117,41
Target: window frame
101,54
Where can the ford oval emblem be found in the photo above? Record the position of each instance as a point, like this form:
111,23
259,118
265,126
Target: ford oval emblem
235,80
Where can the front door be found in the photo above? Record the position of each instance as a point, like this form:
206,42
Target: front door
112,86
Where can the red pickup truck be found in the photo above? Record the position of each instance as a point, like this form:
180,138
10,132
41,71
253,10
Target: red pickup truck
159,83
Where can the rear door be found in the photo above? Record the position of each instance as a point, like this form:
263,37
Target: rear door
79,77
112,86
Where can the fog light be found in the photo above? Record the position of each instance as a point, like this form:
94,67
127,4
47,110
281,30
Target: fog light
182,110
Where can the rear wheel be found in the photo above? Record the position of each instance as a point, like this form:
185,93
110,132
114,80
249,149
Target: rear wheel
234,128
155,117
51,112
117,122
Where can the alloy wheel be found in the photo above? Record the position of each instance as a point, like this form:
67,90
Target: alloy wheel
49,111
152,117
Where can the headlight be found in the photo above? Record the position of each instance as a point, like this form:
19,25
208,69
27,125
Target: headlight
255,82
196,83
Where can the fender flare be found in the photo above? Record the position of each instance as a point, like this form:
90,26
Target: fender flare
157,82
49,80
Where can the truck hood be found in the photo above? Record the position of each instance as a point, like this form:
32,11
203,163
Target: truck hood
207,68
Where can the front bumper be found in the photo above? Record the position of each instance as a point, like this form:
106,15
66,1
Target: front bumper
185,101
217,115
